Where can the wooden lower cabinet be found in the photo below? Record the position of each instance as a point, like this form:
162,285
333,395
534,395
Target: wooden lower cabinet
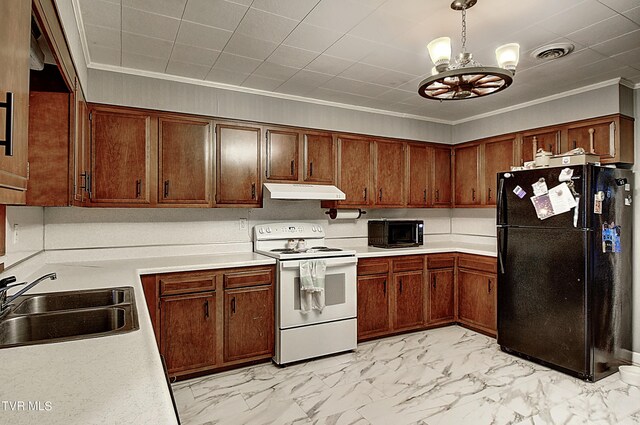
409,300
206,321
477,301
373,306
441,295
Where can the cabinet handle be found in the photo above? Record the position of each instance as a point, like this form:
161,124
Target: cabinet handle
311,169
384,287
489,285
380,195
575,144
8,128
233,305
166,188
206,309
435,281
138,188
424,196
551,148
253,191
400,286
85,179
489,195
473,194
364,193
293,164
437,195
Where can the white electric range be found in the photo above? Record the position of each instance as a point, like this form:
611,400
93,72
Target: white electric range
301,335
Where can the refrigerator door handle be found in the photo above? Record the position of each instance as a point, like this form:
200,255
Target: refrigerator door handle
500,218
501,237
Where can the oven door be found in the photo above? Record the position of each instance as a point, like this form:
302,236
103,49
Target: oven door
340,293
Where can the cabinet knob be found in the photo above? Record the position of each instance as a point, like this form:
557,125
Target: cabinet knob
166,189
310,168
364,194
489,195
384,286
489,285
206,309
437,195
138,188
473,194
233,305
293,164
424,196
253,191
380,195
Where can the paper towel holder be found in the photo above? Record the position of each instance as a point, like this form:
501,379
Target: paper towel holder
333,213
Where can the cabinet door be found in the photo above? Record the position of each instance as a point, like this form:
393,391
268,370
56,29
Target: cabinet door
238,165
120,160
441,177
441,296
248,323
355,171
596,137
188,331
467,176
373,305
282,155
476,299
15,30
184,161
81,151
319,158
549,140
419,170
409,300
390,172
498,157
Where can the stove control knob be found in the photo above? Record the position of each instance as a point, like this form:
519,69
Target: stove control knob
261,230
268,229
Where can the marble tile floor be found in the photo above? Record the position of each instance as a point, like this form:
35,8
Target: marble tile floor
442,376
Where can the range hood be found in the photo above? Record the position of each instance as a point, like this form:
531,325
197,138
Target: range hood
304,191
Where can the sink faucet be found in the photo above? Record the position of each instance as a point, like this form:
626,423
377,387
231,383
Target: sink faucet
4,287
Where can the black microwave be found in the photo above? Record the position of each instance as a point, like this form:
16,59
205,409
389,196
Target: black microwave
395,233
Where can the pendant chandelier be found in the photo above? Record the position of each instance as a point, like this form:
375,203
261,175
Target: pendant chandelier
465,78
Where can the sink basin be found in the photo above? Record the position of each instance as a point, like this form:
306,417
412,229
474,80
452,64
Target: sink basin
66,316
57,301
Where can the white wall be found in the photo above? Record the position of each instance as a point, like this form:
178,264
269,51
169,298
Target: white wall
30,233
153,93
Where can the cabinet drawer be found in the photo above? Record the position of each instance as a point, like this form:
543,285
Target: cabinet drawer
246,278
486,264
405,264
183,283
440,261
373,266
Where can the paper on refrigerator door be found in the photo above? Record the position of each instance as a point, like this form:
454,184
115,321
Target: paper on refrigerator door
561,198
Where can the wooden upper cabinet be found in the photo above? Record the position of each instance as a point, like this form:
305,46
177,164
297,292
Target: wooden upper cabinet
548,139
184,161
467,175
81,147
355,171
419,169
319,158
282,155
409,300
238,165
15,30
498,157
121,148
610,137
389,173
441,177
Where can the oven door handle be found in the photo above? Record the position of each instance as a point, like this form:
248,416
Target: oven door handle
332,263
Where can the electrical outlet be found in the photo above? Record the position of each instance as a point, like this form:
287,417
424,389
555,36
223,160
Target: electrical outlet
15,233
243,223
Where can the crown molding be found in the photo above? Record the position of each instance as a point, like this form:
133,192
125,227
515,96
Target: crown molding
75,5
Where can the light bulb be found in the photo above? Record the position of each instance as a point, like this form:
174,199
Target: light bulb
440,52
508,56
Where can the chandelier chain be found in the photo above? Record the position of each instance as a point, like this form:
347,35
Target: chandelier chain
464,28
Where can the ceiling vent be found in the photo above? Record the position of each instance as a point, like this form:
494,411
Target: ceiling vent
553,51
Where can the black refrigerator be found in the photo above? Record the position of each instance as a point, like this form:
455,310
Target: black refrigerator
564,277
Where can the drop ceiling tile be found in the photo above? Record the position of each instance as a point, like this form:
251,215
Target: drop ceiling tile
381,27
190,70
100,12
236,63
392,79
620,5
398,60
226,77
173,8
565,22
262,83
104,55
266,26
215,13
195,55
305,81
350,14
250,47
297,9
242,2
395,96
329,65
362,72
147,63
147,46
630,57
634,15
412,86
354,87
149,24
101,36
292,56
338,96
604,30
352,48
404,108
275,71
411,10
311,37
203,36
619,45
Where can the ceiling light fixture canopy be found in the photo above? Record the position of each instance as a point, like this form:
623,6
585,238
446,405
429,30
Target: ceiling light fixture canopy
465,78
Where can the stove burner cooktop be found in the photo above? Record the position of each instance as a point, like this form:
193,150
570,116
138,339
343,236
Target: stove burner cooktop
310,250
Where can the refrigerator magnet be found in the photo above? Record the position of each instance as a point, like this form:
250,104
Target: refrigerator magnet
565,175
543,207
597,202
610,238
627,201
520,193
540,187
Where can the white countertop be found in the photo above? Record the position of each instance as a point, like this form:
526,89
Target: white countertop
106,380
432,248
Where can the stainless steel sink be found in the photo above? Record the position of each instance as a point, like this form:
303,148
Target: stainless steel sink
72,300
65,316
